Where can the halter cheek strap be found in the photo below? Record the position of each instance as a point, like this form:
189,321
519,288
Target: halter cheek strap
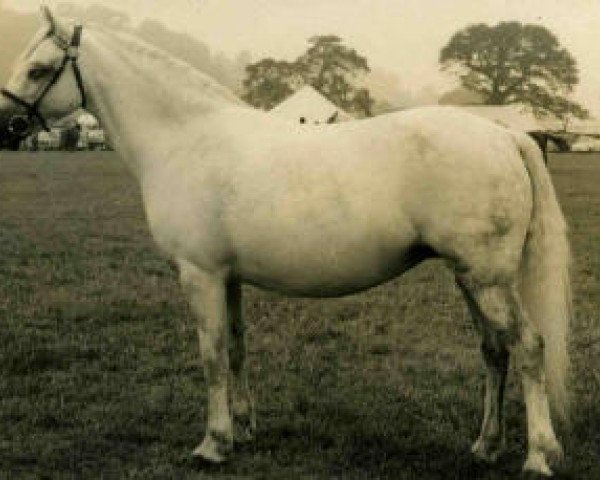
71,54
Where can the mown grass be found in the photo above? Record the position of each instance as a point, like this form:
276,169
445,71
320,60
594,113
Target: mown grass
99,373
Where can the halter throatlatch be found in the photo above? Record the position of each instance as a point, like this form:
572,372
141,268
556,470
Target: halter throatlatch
21,125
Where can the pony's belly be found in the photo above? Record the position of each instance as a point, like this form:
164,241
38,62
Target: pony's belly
325,248
323,274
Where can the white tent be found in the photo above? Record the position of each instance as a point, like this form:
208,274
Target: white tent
461,96
515,116
590,126
308,106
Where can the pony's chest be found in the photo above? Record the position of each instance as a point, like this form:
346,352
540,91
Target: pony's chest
185,223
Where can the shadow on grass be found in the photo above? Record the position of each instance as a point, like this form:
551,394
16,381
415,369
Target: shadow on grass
335,442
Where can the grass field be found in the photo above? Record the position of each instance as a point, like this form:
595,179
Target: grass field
99,371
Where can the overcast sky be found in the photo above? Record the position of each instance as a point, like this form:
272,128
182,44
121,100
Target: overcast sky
402,36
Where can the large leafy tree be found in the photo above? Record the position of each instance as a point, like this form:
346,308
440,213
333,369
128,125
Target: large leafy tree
328,65
515,63
269,81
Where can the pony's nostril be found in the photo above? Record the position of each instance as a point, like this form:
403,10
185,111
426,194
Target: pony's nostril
19,125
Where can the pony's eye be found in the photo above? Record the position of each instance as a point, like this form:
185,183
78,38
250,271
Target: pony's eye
38,73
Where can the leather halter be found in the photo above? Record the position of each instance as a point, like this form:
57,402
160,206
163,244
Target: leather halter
33,112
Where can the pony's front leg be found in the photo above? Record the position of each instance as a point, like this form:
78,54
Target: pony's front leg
208,298
242,404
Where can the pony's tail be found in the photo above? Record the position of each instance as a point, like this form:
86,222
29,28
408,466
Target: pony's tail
544,276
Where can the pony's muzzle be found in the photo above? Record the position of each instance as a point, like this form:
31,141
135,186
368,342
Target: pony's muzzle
20,126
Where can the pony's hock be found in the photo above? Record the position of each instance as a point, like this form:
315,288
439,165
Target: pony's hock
236,196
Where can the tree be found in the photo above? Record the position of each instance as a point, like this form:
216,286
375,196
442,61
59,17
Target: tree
327,65
565,110
514,63
363,102
269,81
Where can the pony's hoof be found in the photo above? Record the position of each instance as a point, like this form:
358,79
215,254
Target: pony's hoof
529,475
536,467
486,454
214,449
540,459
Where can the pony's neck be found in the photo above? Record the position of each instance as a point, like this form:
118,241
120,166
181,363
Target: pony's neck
137,92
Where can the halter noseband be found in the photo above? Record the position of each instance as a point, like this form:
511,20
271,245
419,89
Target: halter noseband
32,109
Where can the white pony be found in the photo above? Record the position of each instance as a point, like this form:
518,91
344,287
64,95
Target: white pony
237,196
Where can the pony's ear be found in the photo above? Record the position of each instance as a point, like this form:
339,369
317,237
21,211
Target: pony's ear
48,17
55,26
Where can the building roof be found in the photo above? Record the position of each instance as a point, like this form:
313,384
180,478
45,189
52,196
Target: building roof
590,126
516,117
461,96
309,104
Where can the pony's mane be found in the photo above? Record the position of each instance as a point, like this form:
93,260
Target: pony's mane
186,74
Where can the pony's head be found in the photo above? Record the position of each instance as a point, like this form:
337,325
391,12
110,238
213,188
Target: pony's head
41,88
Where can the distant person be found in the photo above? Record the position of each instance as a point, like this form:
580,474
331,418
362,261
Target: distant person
302,120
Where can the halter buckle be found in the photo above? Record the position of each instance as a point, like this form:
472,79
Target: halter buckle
72,52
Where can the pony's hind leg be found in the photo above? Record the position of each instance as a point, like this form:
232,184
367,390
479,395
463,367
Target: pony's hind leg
491,442
502,312
208,298
242,404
